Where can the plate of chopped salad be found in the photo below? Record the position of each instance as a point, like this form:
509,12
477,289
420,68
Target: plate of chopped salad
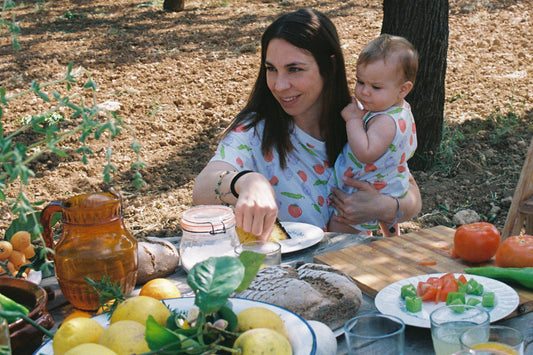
414,298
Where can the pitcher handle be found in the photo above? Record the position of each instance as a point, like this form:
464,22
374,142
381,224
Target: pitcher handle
46,215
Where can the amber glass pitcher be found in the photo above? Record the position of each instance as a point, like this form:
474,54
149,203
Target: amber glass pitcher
94,243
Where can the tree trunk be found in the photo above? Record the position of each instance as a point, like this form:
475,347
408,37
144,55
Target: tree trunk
174,5
425,24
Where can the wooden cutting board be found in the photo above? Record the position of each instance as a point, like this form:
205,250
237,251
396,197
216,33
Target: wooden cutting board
377,264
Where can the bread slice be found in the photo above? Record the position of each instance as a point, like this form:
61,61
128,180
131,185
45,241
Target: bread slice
279,233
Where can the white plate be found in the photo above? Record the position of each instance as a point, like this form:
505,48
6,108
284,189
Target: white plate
388,300
301,335
303,236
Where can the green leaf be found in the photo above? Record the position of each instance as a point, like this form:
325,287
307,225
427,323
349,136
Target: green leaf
213,280
158,337
28,223
226,312
252,263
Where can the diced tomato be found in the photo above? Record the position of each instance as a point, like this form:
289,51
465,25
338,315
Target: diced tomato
448,276
449,285
435,281
426,290
462,278
437,288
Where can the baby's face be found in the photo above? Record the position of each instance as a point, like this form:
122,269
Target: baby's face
379,85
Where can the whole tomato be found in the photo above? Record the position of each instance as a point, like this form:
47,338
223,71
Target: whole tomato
515,251
476,242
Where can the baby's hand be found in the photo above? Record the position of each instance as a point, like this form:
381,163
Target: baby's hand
353,110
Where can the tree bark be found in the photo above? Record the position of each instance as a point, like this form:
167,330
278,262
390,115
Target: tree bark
174,5
425,24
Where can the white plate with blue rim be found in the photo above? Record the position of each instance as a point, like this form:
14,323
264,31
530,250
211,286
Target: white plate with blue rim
301,335
388,300
302,236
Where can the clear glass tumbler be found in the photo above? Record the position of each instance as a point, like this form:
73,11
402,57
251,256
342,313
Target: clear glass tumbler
375,334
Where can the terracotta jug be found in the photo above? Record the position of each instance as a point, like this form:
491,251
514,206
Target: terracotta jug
94,243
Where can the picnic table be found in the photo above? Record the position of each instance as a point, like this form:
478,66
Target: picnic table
417,339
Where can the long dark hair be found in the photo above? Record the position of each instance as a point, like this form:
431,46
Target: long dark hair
314,32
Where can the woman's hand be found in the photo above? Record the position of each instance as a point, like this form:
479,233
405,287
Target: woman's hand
367,204
256,209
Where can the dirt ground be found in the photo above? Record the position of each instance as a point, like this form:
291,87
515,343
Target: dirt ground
180,78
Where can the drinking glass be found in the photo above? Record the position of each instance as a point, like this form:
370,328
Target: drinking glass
375,334
272,250
449,322
497,337
478,352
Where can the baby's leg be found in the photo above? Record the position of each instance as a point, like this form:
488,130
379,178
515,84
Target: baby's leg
390,231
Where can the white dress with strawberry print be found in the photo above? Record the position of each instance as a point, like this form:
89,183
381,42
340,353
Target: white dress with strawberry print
389,173
301,188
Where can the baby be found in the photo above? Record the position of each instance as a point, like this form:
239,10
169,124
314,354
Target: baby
380,126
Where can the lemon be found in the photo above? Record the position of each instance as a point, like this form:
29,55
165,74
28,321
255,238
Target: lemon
90,349
160,289
125,337
138,308
263,341
260,317
74,332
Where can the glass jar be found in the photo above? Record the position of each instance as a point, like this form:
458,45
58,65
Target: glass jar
207,231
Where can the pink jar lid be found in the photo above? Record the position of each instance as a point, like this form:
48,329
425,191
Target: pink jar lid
211,219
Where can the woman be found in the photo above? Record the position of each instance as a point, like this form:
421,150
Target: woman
276,156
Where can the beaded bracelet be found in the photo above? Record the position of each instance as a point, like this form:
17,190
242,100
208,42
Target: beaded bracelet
218,195
399,215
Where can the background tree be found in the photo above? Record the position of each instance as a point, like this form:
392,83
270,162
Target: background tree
174,5
425,24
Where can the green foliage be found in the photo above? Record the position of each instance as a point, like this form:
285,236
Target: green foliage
84,121
211,328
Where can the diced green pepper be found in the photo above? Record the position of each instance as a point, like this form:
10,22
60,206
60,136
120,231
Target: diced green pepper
474,288
461,287
488,299
408,291
413,304
473,302
454,296
457,308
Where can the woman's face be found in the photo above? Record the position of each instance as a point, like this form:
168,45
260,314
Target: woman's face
294,79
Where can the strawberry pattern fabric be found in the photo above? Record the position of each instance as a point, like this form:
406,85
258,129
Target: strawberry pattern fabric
389,173
301,188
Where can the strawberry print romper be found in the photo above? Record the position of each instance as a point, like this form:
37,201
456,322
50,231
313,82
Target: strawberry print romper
301,188
389,173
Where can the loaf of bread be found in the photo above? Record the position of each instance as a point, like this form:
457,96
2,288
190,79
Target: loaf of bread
313,291
157,258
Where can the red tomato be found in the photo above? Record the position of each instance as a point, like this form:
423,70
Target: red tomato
476,242
462,278
515,251
448,285
426,291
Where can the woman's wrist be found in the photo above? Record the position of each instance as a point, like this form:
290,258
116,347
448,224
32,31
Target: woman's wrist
389,209
222,187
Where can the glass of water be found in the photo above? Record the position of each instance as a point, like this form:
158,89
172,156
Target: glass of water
375,334
449,322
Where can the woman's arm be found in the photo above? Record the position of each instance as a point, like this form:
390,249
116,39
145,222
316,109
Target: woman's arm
255,209
368,204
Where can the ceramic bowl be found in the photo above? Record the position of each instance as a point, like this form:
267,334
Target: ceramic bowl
24,337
